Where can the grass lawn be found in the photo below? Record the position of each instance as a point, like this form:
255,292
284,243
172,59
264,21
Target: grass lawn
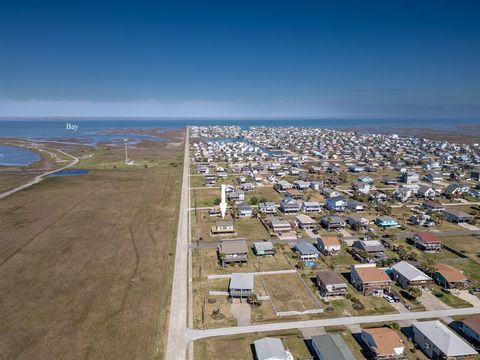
204,197
447,298
267,192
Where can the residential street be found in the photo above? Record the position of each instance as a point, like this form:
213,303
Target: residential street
176,341
199,334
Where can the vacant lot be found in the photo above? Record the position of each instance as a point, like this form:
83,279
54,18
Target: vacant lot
248,228
467,244
289,293
85,261
240,347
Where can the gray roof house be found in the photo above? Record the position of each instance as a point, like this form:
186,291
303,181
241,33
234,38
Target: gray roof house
307,251
241,285
457,216
289,206
231,251
267,207
408,275
270,348
331,346
437,341
370,246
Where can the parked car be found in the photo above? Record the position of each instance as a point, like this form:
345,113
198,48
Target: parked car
393,295
475,291
388,298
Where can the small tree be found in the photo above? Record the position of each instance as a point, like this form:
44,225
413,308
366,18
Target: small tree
254,200
415,292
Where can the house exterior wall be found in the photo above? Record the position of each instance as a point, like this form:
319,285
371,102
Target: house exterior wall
471,333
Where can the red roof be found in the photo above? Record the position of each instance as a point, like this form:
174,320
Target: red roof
428,237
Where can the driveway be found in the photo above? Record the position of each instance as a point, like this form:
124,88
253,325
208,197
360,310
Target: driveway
431,302
469,227
399,307
241,311
472,299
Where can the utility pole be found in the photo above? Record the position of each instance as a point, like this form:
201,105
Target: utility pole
126,155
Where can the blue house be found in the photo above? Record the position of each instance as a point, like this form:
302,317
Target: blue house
386,221
338,203
306,250
365,179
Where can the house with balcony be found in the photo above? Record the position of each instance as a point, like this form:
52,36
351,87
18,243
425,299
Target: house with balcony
289,206
337,203
306,250
241,285
263,248
267,207
232,251
331,285
329,245
305,222
427,241
224,227
311,207
280,226
370,280
386,222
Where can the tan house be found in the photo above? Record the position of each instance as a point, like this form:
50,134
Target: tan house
223,228
369,279
448,277
329,245
384,343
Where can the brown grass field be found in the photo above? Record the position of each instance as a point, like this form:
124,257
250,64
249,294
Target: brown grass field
288,293
86,261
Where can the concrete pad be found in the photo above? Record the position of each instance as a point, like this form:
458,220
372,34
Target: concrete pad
241,311
465,295
431,302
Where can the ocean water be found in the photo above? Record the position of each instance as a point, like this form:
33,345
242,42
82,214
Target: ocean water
17,156
92,131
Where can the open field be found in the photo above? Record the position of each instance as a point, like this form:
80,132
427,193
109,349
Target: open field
9,181
85,261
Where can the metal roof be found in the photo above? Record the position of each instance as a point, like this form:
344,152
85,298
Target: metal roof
305,247
269,348
410,272
241,281
332,346
444,338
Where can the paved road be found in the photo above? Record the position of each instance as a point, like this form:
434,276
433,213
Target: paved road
39,178
199,334
177,325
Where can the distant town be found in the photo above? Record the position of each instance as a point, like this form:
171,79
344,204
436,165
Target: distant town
350,245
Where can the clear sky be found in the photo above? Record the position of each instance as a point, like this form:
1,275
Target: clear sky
336,58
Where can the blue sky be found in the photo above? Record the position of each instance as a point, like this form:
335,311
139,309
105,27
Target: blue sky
336,58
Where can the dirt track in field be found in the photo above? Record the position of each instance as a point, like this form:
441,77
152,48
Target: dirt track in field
85,263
